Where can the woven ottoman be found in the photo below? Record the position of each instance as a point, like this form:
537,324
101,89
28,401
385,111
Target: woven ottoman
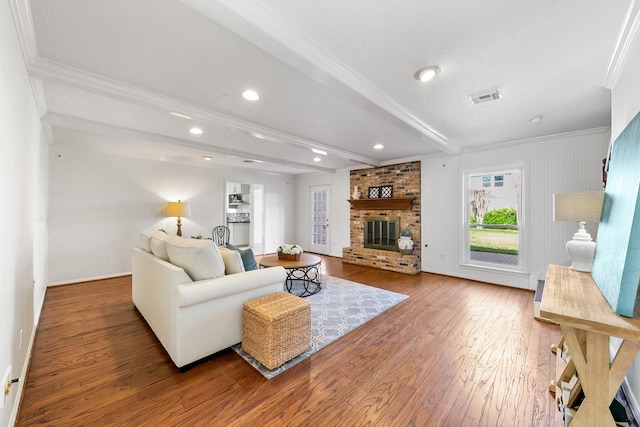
276,328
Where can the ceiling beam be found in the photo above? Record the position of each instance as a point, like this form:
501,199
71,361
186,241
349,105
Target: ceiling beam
75,123
49,70
272,33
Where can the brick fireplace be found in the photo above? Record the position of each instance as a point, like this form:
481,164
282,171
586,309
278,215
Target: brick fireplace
405,179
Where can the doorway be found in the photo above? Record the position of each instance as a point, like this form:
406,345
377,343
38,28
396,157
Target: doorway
257,225
320,238
244,214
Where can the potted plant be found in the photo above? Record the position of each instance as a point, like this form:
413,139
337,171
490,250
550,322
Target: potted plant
404,242
289,252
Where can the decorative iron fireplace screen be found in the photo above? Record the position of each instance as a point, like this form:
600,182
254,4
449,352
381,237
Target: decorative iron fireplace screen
382,232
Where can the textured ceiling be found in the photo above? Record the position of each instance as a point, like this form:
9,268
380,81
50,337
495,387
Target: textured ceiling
333,75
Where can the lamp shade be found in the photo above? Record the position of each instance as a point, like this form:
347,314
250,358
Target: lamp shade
585,206
178,209
581,207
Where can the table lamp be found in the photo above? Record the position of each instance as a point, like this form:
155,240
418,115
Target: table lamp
581,207
178,209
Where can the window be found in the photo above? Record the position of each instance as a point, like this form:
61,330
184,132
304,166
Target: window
493,219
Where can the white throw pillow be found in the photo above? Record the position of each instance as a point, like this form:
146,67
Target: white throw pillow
200,259
232,261
158,243
145,241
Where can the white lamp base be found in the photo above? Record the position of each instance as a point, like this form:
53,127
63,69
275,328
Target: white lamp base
582,250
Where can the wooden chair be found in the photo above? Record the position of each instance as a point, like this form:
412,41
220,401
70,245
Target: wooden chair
220,235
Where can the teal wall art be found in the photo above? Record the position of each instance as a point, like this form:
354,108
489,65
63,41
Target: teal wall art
616,267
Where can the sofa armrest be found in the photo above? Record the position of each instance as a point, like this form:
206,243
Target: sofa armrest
205,290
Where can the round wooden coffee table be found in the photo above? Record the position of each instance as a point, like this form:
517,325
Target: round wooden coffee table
305,270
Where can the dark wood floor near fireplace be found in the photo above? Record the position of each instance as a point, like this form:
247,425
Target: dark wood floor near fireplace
456,353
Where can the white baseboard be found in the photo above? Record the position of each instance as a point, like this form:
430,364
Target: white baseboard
89,279
631,399
23,373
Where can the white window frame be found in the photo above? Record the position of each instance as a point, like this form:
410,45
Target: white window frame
493,170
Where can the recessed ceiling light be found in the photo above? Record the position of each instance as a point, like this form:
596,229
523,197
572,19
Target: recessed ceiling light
182,116
425,74
257,135
196,131
250,95
315,150
536,119
316,159
207,157
378,146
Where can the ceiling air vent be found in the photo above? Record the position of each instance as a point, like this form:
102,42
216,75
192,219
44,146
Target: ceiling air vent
486,97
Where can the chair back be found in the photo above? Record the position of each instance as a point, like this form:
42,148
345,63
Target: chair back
220,235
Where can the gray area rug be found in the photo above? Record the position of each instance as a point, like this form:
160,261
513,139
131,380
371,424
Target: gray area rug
339,308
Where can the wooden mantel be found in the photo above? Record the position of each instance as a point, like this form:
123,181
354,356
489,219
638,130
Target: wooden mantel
383,203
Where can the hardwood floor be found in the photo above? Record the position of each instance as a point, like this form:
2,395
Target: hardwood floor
456,353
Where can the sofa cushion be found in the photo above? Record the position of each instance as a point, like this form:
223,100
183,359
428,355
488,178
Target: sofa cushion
200,259
145,240
248,258
158,243
232,261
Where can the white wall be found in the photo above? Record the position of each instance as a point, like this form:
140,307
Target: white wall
553,164
625,104
625,94
23,216
100,203
338,208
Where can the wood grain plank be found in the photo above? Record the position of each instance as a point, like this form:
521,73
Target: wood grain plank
457,352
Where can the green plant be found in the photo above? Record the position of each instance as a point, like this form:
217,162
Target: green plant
405,232
472,219
507,216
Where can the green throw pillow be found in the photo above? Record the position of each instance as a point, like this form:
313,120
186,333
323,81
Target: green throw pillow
248,258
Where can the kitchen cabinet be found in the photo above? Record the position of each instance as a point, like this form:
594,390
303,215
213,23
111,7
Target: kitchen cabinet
240,233
238,188
234,187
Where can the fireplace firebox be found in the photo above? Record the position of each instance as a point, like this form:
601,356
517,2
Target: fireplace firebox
382,232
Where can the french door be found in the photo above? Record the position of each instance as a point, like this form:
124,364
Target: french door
320,238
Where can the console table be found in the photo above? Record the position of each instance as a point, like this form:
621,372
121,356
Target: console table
573,300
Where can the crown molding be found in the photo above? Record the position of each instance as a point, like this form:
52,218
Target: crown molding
537,139
37,88
290,40
403,160
46,69
21,11
73,77
626,38
75,123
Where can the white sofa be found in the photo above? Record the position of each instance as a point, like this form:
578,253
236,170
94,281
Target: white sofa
192,306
